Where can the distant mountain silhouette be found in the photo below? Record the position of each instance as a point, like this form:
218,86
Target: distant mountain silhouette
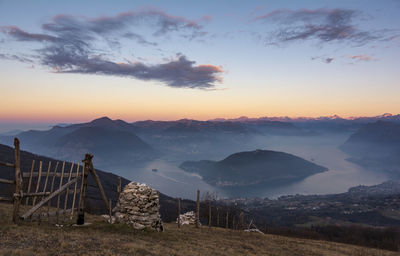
253,168
333,118
324,124
116,142
189,126
237,126
376,146
112,141
107,144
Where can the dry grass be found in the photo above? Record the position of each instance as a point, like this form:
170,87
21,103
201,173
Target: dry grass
101,238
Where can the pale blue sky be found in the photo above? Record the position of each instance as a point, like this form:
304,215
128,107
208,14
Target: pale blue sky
290,77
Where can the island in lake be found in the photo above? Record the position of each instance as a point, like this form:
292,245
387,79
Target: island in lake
253,170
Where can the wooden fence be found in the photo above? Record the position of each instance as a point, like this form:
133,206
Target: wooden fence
46,186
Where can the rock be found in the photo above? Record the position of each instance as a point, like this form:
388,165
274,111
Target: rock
138,206
107,218
187,218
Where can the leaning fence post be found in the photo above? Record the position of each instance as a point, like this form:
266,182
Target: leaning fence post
96,178
179,213
18,181
198,209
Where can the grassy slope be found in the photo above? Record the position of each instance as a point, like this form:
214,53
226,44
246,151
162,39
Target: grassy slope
101,238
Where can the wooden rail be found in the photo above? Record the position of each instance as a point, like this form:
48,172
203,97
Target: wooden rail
7,164
45,200
4,198
7,181
36,174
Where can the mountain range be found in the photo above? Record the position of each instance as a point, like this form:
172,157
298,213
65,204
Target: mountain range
376,146
116,142
112,142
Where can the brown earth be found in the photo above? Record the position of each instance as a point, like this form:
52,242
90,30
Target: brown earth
100,238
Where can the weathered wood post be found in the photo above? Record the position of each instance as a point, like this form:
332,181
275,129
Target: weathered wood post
38,182
118,187
227,220
96,178
30,182
179,213
198,209
81,204
18,181
209,215
52,189
233,222
74,196
110,211
59,195
241,217
217,217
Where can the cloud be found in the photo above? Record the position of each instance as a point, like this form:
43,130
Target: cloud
179,73
15,57
362,57
326,60
138,38
161,22
323,25
20,35
72,44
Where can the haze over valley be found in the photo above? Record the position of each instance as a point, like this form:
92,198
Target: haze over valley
161,153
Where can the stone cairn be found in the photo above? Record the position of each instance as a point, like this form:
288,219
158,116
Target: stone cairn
187,218
138,206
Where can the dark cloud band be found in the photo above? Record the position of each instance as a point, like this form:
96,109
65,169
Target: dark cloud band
324,25
69,45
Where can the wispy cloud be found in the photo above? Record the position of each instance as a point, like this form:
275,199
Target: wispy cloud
326,60
69,44
20,35
323,25
362,57
15,57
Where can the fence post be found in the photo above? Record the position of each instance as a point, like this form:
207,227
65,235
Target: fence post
118,188
209,215
96,178
179,213
81,204
198,209
18,181
110,211
217,217
227,220
241,217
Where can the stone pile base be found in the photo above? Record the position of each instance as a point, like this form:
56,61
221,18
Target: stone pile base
187,218
138,206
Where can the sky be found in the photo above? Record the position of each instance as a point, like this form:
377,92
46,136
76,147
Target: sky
72,61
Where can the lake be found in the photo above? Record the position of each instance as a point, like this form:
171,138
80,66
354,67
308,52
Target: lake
321,149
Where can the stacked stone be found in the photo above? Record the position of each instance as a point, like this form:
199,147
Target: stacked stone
187,218
138,206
